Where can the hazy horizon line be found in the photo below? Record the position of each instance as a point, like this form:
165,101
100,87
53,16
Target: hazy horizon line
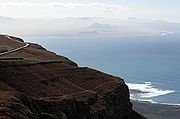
84,17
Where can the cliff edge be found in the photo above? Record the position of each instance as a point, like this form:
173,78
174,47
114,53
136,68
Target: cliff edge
38,84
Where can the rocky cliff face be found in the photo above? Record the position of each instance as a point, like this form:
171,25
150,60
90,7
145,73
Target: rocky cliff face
48,86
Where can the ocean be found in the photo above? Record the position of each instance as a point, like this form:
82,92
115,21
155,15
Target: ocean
150,65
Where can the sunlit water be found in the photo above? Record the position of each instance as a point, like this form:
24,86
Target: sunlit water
148,64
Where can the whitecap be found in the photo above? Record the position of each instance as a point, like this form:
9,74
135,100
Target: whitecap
163,33
146,90
154,102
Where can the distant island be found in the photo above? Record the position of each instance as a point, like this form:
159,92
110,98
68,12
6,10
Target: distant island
90,26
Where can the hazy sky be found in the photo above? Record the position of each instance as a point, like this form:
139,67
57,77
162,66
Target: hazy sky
151,9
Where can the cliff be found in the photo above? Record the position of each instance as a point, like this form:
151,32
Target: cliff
38,84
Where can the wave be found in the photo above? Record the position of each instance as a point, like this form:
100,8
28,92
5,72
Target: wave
145,92
154,102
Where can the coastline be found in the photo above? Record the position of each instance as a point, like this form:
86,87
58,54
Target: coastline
149,108
156,111
147,92
156,79
44,85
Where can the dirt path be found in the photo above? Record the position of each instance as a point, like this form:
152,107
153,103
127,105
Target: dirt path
16,49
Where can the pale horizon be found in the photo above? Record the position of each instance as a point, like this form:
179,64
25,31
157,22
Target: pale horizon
89,17
149,9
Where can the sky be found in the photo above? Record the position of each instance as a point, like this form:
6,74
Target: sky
168,10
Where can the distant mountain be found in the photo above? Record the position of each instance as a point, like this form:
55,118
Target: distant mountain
134,26
99,26
86,26
101,29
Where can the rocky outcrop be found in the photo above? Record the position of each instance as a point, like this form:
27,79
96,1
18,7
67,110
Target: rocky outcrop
108,106
59,89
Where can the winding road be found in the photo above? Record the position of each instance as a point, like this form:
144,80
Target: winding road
16,49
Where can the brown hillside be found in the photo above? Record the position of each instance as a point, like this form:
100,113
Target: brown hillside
42,85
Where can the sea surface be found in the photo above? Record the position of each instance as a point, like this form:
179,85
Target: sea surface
150,65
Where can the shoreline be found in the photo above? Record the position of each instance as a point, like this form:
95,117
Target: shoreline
156,111
153,102
146,92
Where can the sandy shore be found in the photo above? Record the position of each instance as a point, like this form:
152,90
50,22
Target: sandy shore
157,111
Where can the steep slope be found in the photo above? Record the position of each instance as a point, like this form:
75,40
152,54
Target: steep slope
41,85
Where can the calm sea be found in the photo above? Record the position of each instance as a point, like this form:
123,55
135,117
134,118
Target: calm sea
150,65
